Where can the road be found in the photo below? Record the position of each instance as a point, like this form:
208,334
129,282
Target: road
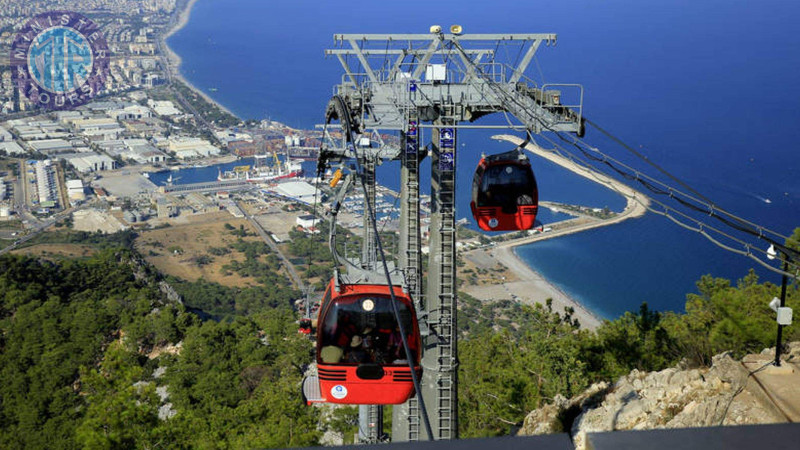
40,226
264,235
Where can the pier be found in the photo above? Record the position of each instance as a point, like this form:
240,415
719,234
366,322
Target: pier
207,186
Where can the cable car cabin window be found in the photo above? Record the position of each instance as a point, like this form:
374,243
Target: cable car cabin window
476,182
506,186
363,330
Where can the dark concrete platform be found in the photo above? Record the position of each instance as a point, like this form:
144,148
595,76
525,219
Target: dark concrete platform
784,436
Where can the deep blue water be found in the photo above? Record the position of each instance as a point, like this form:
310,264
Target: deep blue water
709,90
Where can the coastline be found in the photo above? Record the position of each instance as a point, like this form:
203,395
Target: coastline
526,285
530,286
174,61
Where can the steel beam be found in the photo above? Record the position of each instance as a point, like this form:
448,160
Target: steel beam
549,37
406,421
369,249
440,376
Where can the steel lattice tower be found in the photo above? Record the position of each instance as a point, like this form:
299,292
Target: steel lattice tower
438,82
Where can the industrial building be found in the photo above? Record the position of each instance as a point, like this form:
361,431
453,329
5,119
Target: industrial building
90,162
190,148
163,107
298,191
308,221
46,182
75,191
133,216
11,148
131,112
164,209
141,151
36,130
7,143
51,146
5,136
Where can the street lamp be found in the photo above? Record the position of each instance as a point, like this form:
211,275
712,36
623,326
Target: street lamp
779,305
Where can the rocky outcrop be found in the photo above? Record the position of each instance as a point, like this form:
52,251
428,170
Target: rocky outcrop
723,394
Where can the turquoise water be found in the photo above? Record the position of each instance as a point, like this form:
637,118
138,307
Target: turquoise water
708,90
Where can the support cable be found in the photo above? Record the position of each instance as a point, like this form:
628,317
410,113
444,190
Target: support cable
707,206
671,213
344,117
710,209
650,183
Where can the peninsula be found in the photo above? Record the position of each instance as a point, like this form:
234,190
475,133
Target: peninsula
525,284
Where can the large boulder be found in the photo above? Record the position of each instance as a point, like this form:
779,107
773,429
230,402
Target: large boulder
723,394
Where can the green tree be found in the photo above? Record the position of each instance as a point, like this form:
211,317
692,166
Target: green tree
502,377
122,411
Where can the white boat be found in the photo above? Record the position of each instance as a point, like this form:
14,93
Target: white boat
263,173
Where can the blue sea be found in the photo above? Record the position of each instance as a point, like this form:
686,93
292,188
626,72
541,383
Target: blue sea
709,90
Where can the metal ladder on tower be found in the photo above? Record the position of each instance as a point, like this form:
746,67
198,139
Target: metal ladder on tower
445,324
369,251
413,262
446,329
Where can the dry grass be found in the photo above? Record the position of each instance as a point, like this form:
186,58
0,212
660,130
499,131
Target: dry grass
61,250
195,240
484,274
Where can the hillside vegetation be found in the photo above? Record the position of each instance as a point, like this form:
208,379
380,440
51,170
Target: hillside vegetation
507,372
93,353
81,353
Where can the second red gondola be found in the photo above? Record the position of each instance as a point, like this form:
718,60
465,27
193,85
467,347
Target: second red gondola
504,193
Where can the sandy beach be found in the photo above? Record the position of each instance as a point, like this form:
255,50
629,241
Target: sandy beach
530,286
174,61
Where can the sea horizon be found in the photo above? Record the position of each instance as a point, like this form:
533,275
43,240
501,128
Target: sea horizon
690,126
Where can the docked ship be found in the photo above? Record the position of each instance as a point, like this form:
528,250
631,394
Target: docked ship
262,172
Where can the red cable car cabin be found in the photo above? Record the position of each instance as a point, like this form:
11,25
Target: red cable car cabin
504,193
360,355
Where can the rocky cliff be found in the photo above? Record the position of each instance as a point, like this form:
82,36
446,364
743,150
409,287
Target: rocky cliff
730,392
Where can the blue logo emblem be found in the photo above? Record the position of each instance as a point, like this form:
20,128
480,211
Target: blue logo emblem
447,160
446,138
59,60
